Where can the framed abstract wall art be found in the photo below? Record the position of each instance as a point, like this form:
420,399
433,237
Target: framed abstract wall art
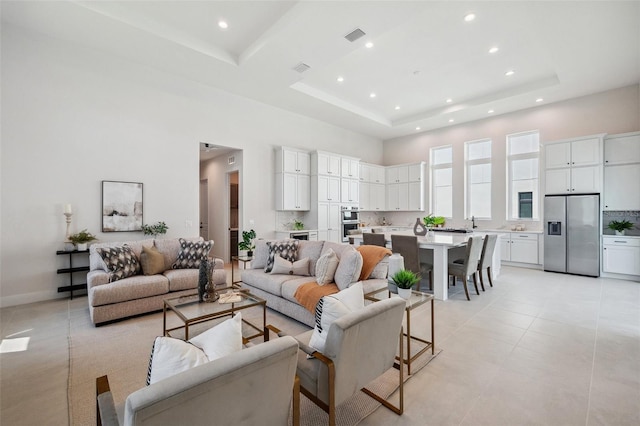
121,206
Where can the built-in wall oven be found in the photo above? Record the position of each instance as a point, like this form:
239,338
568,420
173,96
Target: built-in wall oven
350,221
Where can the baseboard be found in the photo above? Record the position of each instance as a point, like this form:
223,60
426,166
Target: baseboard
26,298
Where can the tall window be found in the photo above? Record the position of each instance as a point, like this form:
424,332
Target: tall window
478,179
523,154
442,181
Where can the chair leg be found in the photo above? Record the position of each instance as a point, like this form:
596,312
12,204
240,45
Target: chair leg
475,283
481,279
466,290
296,402
400,409
489,275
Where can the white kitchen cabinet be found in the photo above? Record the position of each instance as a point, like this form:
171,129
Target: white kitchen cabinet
519,247
328,189
620,187
574,153
329,226
328,164
621,255
398,197
350,190
292,191
365,196
377,174
350,168
289,160
572,180
397,174
416,172
372,196
622,149
416,196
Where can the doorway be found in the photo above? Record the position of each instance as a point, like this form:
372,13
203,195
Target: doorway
234,209
204,209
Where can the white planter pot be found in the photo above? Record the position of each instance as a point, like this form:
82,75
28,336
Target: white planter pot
81,246
405,293
619,233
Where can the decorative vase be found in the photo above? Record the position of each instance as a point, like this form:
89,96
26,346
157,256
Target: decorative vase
405,293
202,279
620,233
81,246
419,228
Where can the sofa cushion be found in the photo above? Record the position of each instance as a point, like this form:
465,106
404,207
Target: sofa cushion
136,287
191,254
332,307
312,250
152,261
287,249
260,254
348,269
121,262
170,356
270,283
182,279
96,262
326,267
381,270
338,248
170,247
283,266
290,287
221,340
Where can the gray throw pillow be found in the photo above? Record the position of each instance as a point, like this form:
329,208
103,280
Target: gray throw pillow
120,261
349,268
287,249
191,254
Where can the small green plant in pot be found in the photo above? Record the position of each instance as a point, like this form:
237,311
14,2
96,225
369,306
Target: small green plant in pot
159,228
247,242
405,280
81,239
298,225
620,226
432,221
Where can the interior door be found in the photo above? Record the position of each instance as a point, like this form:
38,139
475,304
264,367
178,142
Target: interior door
204,209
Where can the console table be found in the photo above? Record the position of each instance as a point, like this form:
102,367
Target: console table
71,270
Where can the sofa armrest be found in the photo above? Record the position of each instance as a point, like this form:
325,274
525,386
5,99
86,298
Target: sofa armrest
96,278
106,414
218,263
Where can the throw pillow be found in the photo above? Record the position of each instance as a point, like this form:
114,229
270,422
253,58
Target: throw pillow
221,340
283,266
191,254
332,307
287,249
121,262
152,261
349,268
260,255
170,356
326,267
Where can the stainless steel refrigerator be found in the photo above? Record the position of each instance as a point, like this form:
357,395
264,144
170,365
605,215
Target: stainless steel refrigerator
572,234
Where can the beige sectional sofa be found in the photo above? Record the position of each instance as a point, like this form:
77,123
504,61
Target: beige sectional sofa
279,289
138,294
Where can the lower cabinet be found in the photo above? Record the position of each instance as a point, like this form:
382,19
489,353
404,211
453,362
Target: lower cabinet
520,247
621,255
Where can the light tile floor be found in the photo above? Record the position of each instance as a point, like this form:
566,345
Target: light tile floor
538,348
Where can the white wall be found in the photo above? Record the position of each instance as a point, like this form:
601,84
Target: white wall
72,117
614,111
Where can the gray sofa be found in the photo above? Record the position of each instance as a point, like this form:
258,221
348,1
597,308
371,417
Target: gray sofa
279,290
109,301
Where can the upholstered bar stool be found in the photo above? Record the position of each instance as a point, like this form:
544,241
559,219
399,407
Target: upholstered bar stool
407,246
463,268
371,239
486,258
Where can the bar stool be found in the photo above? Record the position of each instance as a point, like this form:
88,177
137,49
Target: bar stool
463,268
371,239
407,246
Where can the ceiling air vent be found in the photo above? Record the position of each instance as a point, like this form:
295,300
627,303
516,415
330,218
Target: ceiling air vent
354,35
301,67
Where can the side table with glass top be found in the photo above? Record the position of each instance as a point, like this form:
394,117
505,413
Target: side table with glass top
244,260
417,299
191,312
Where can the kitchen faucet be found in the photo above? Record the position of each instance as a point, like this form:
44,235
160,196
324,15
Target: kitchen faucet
473,222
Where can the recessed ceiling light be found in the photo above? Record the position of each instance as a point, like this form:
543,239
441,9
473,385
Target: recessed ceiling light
494,49
490,111
418,128
397,107
223,24
451,120
469,17
369,45
509,73
340,79
372,95
539,100
449,100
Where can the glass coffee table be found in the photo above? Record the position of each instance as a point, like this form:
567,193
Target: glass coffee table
417,298
191,312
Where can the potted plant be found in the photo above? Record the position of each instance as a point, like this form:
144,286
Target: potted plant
81,239
298,224
159,228
404,280
430,221
247,242
620,226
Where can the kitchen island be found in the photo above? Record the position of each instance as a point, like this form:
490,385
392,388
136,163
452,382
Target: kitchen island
440,243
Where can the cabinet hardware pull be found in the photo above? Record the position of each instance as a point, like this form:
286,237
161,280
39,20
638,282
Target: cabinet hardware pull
623,242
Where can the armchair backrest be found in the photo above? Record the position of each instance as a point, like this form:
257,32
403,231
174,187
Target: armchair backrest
253,386
407,246
472,255
362,345
487,251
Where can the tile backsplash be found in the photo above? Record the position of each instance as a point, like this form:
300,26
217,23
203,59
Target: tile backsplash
632,216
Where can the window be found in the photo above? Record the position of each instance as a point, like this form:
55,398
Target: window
523,154
477,195
442,181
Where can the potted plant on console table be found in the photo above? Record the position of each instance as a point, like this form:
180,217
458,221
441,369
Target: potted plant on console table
247,242
405,279
620,226
81,239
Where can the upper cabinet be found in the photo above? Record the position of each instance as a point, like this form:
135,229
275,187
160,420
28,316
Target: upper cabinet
372,173
329,164
622,172
397,174
573,166
350,168
289,160
622,149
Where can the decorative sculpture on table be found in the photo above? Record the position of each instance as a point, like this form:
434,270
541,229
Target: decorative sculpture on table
419,228
206,289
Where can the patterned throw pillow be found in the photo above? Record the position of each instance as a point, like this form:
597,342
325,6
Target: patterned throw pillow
191,254
121,262
287,249
326,267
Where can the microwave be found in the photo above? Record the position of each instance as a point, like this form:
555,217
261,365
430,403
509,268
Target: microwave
350,215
